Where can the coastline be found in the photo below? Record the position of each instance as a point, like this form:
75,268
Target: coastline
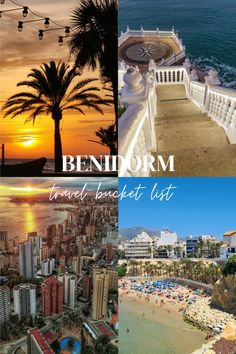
193,310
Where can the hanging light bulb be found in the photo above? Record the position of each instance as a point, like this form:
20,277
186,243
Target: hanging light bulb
25,11
20,26
40,35
67,31
46,22
60,40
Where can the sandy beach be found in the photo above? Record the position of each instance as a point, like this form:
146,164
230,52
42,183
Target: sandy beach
174,300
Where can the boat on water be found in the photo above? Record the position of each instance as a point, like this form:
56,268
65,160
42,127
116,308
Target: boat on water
27,169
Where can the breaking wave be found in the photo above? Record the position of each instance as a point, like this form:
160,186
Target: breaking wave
226,73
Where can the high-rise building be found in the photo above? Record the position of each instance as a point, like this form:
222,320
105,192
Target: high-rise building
27,259
4,304
51,234
87,286
3,241
100,294
109,252
36,342
44,253
37,240
79,244
69,285
61,265
113,279
24,300
47,266
75,264
52,296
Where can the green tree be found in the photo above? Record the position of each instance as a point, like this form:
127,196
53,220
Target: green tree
229,267
56,89
122,270
94,41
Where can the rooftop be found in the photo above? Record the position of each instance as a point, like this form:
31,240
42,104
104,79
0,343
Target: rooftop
43,344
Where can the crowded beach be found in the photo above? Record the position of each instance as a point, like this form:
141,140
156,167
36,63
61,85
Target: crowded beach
174,298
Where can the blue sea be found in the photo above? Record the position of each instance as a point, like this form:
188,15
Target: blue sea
207,28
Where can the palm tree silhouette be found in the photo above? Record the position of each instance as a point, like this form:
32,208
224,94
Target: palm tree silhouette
95,40
107,138
53,94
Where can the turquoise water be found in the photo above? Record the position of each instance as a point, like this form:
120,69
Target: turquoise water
76,345
208,29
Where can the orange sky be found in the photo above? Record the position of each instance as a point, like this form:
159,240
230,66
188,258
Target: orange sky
22,51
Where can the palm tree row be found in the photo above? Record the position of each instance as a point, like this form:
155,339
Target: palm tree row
199,271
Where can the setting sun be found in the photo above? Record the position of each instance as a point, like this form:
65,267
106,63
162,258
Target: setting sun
28,142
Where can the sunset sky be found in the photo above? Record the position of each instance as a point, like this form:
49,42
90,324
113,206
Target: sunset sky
22,51
36,185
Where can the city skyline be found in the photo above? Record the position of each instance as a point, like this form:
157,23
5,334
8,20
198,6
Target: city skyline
198,206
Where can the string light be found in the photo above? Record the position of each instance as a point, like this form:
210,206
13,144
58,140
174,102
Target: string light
67,31
20,26
25,11
46,22
60,40
40,34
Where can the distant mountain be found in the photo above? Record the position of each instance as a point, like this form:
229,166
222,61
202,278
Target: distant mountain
130,232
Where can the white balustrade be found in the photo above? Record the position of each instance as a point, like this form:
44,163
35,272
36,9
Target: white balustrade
220,105
137,124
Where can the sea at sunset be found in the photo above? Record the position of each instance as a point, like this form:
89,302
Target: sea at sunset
208,29
20,218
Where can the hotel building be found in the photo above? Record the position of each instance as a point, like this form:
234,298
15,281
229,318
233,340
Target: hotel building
27,259
24,296
100,294
4,304
69,286
52,296
47,267
140,247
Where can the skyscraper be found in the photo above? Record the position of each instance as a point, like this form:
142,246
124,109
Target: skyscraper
75,264
69,285
47,266
4,304
24,300
52,296
87,286
109,252
27,259
37,240
100,294
3,240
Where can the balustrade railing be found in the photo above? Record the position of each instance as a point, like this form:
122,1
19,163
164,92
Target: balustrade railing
136,125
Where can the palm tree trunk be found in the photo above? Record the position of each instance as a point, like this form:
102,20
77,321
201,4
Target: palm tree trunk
57,146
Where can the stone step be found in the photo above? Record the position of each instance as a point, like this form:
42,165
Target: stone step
187,139
188,167
184,124
202,154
